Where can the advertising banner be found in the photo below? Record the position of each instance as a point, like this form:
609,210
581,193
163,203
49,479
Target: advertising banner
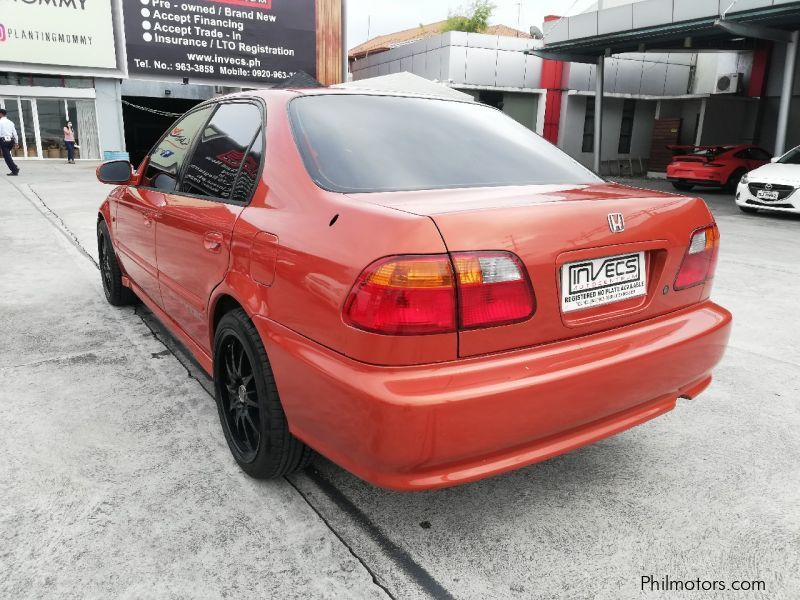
77,33
238,42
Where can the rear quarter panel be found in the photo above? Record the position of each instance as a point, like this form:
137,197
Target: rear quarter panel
324,241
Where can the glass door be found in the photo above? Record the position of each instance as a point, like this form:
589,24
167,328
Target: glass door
27,130
52,119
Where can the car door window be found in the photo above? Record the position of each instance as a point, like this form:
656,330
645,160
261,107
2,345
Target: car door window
228,142
165,162
759,154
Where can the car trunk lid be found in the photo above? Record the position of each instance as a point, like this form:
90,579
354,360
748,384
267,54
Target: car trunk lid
690,159
550,227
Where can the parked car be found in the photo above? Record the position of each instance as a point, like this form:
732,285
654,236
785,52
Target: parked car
772,187
420,289
715,166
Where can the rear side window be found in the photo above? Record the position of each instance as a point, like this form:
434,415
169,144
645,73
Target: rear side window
167,159
248,176
362,143
221,151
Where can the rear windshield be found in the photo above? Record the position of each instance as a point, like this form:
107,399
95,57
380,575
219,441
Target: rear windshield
362,143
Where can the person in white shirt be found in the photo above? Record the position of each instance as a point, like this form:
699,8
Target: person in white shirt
8,141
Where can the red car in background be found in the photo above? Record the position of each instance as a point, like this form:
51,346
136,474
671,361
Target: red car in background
716,166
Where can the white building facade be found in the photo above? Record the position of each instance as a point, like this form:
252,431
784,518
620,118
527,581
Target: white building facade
683,90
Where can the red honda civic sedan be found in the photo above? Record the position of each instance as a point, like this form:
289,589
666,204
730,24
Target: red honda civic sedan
420,289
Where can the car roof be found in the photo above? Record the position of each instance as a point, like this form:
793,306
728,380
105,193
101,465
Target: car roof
328,91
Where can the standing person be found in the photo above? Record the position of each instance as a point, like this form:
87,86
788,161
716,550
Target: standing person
8,141
69,140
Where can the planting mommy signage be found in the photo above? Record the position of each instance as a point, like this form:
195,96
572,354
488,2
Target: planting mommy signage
233,41
77,33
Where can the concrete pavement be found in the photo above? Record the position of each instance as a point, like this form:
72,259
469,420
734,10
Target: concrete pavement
116,480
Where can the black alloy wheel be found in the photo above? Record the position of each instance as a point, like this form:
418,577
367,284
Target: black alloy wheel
110,272
734,180
239,406
105,265
248,403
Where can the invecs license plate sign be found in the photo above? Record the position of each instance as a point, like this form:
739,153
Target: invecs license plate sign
598,281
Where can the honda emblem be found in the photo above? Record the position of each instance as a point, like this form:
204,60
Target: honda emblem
616,222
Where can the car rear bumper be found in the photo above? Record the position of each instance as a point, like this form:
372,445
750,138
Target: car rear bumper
437,425
695,180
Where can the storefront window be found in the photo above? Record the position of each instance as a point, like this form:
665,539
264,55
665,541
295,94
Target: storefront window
10,79
45,80
40,124
79,82
84,122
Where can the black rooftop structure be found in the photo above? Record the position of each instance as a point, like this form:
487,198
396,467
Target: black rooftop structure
299,80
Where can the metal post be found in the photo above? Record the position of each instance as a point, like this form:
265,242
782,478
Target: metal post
698,135
345,60
786,94
598,112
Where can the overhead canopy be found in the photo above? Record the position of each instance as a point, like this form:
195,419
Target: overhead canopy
664,25
674,26
407,83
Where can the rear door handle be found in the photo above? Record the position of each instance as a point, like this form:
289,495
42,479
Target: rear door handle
212,241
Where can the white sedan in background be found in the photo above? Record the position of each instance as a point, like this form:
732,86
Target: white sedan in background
773,186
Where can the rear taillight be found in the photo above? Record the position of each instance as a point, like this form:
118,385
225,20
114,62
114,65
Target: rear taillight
701,258
404,295
413,295
493,289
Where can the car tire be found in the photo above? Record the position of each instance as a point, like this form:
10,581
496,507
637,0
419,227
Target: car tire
734,179
110,272
249,407
747,209
684,187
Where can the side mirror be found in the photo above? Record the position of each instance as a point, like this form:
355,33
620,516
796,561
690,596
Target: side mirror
774,159
114,171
